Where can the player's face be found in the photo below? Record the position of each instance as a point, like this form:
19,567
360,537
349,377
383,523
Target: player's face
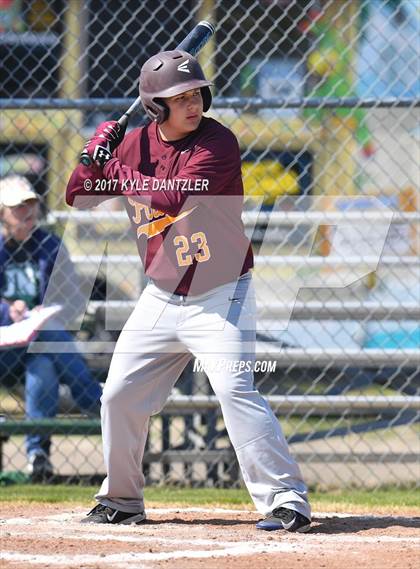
20,221
185,112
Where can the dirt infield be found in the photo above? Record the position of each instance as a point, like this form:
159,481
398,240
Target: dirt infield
51,536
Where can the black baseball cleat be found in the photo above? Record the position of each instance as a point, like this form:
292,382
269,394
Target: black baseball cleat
283,518
101,514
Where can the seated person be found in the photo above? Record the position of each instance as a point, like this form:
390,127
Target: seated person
27,256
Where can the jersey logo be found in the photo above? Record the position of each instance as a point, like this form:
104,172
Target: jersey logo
184,66
159,225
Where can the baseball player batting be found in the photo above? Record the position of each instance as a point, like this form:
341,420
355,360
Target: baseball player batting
180,178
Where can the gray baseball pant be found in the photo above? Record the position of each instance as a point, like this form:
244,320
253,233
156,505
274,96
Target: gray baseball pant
154,347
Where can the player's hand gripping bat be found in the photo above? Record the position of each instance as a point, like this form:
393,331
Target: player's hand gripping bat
192,44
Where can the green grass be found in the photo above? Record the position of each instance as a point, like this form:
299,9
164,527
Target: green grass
385,497
84,494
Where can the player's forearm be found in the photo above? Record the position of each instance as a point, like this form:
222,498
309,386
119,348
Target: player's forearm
80,191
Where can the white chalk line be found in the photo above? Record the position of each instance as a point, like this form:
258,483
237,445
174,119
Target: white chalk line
235,550
123,538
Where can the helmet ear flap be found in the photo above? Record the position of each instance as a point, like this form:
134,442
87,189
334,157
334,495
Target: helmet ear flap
158,110
163,108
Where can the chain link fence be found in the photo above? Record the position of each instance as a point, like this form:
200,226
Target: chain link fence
323,96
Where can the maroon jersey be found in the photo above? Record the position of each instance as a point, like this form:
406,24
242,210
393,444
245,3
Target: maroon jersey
184,200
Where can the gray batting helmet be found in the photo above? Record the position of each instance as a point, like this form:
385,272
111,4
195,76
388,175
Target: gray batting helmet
167,74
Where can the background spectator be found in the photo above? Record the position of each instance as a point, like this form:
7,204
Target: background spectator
27,255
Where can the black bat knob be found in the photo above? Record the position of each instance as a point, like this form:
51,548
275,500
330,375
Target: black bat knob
85,159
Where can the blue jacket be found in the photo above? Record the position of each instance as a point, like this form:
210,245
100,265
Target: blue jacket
43,246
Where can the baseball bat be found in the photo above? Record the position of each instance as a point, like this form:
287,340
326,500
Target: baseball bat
192,44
